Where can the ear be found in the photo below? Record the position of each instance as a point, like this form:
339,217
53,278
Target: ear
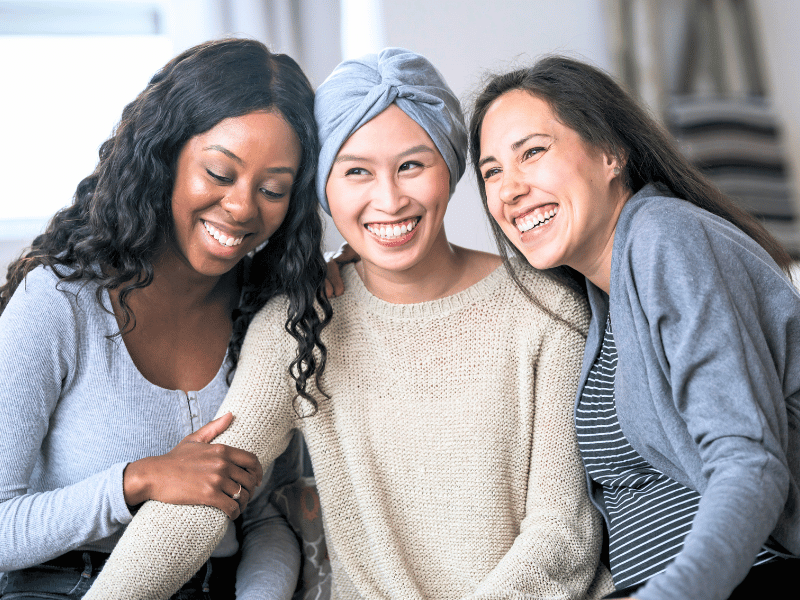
615,165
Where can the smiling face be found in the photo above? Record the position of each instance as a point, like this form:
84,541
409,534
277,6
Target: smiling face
232,189
555,197
388,191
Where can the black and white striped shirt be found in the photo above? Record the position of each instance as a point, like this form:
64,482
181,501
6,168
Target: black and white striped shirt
650,514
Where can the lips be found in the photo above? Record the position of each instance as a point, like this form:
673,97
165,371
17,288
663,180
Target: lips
390,231
536,218
224,239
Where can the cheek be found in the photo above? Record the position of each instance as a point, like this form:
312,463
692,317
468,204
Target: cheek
434,192
275,216
494,205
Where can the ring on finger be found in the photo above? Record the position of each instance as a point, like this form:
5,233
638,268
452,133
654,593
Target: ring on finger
238,494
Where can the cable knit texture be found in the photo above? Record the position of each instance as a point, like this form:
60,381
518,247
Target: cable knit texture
446,457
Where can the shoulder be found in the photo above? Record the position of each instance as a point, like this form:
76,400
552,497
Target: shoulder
653,219
44,294
479,264
267,331
47,320
557,304
271,316
662,234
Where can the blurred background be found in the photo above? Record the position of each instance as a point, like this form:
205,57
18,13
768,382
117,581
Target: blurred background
68,69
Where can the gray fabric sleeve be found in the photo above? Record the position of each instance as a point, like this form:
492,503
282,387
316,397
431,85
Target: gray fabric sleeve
38,344
715,337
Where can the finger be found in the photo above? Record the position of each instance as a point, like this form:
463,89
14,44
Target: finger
211,430
345,254
241,459
329,289
241,494
334,280
248,480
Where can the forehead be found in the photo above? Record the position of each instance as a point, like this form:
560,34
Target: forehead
517,108
388,132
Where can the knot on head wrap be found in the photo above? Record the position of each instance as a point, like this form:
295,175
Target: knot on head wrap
359,90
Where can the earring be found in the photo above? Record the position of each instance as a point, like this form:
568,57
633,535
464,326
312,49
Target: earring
616,170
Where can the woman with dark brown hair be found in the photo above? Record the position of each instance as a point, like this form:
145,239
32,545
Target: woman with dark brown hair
688,408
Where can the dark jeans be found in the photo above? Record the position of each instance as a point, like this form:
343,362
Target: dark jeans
770,580
70,576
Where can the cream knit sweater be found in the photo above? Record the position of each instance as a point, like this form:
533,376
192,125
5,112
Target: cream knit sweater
446,457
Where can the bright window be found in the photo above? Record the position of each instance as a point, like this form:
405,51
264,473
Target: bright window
68,70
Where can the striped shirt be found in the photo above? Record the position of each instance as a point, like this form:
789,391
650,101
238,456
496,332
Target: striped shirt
649,513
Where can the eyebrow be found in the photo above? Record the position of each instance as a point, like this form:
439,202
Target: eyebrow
514,147
225,151
231,155
403,154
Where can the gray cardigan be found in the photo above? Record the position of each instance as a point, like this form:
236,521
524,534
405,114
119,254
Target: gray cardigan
707,390
74,411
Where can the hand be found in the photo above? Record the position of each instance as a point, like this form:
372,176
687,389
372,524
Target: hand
196,472
334,286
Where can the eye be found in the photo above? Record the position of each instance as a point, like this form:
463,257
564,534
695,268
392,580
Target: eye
530,152
356,171
272,194
489,173
411,164
219,178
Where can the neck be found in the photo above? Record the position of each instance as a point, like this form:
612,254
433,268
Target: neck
598,270
178,289
440,273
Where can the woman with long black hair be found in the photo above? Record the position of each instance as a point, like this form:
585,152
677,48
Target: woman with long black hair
121,327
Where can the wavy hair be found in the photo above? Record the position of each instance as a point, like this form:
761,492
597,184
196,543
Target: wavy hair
121,214
605,116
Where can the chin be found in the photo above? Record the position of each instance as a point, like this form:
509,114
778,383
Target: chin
539,260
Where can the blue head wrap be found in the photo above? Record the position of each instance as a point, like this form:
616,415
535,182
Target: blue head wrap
359,90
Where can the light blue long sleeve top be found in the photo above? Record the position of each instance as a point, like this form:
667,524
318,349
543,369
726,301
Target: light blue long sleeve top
707,389
74,411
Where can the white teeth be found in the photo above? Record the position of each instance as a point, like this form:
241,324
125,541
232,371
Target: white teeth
528,222
223,239
392,231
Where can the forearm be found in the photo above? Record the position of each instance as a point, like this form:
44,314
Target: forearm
169,542
557,551
174,541
735,518
37,527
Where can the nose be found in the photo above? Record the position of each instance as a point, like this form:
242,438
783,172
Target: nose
388,195
512,186
241,203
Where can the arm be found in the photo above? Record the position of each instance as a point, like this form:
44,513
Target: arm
713,311
556,552
38,353
175,541
334,286
44,397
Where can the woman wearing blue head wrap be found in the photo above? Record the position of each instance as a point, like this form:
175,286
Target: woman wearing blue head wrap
442,438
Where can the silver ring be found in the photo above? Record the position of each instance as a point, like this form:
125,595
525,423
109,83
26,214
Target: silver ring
238,494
